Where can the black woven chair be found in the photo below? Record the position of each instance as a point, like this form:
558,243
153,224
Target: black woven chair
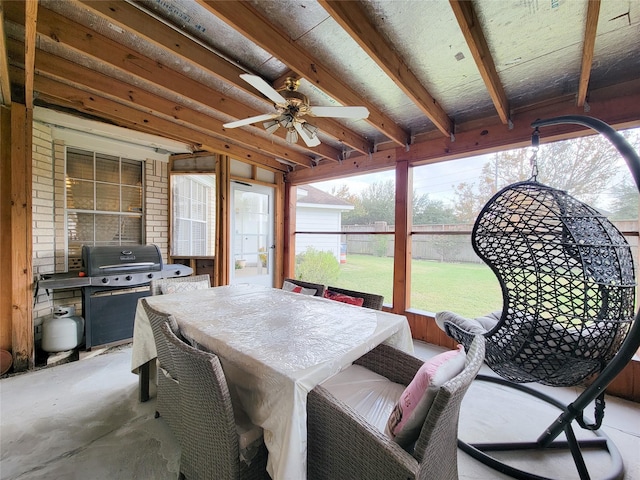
568,285
371,300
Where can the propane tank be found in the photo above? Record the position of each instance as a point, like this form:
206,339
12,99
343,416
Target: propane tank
63,330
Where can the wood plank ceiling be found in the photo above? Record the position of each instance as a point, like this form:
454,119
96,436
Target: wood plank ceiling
439,78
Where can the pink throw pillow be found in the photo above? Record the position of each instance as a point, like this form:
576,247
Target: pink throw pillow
406,419
341,297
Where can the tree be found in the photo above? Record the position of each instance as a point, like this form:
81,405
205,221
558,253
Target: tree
377,204
468,202
584,167
350,217
625,203
374,204
428,212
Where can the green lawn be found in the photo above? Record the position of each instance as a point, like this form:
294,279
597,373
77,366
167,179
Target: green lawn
468,289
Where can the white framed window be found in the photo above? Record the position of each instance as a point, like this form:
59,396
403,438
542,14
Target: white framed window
193,202
103,201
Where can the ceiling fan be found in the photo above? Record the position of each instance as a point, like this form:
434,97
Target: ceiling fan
291,106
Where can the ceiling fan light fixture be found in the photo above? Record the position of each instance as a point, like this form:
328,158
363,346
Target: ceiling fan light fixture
271,126
286,121
311,130
292,136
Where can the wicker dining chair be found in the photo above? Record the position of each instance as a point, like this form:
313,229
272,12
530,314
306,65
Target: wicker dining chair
318,287
371,300
167,393
194,281
342,444
218,441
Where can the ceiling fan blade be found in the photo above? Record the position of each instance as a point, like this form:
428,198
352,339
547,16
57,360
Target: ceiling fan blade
308,133
250,120
264,88
339,112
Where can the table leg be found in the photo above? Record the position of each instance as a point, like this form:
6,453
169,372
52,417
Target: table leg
143,381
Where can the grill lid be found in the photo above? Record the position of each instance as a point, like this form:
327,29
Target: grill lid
116,259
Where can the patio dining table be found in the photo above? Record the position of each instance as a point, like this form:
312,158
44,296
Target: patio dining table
274,346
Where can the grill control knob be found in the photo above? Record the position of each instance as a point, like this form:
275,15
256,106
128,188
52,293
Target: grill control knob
177,273
128,277
149,275
105,280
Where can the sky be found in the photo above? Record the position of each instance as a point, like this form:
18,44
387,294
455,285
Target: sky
438,180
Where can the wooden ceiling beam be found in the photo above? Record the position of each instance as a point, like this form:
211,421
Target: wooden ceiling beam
210,145
358,165
618,106
94,83
72,97
31,20
141,24
591,26
5,84
352,17
477,43
89,42
243,17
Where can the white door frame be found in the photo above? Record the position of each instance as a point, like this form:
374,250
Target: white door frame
252,236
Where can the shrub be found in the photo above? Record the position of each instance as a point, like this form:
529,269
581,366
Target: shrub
380,245
316,266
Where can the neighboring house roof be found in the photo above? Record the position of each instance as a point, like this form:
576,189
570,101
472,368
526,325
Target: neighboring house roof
313,197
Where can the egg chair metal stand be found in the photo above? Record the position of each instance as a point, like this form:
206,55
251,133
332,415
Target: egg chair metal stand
568,285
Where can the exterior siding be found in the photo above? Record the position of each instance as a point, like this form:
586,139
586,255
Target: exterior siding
318,219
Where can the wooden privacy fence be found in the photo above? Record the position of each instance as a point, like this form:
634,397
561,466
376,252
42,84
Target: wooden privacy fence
441,243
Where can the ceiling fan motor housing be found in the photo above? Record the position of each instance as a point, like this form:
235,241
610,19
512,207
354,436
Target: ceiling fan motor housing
297,101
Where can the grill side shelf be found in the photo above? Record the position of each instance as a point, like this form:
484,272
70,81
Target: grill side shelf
59,281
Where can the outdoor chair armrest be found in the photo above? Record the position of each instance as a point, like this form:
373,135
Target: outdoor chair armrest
459,335
337,431
394,364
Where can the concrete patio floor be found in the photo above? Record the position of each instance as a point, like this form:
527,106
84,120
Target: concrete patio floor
82,420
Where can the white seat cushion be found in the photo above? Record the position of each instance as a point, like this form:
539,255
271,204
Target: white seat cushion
371,395
249,434
477,326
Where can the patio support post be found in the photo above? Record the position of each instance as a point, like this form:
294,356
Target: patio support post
402,249
19,231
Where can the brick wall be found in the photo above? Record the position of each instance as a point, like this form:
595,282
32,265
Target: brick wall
156,205
45,236
49,229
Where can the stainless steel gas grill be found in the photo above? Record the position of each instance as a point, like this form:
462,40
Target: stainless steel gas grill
112,280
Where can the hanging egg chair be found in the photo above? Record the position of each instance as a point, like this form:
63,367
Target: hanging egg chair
567,280
568,285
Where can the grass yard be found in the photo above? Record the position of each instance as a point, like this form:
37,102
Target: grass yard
465,288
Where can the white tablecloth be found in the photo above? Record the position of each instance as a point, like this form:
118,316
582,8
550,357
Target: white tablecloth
275,346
